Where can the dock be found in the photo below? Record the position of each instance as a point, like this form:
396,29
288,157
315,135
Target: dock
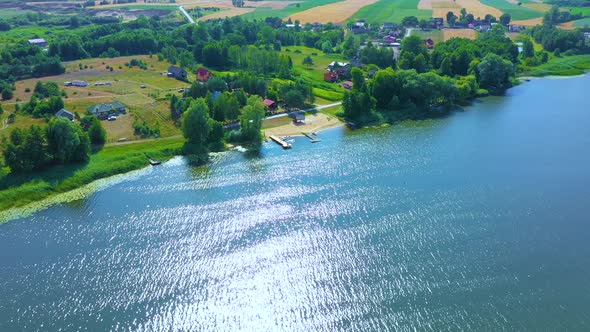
312,138
280,142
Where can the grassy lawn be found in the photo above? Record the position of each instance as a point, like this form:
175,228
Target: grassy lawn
315,73
264,12
561,66
583,22
391,11
18,190
434,34
515,11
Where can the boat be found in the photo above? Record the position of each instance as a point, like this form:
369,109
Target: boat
154,162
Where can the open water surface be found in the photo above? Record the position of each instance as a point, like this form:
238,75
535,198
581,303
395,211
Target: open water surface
478,221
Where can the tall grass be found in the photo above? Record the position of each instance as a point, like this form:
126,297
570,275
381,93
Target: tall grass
17,190
561,66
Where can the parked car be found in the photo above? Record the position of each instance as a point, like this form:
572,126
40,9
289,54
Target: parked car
112,118
142,86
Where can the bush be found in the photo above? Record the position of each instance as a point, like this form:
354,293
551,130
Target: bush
27,90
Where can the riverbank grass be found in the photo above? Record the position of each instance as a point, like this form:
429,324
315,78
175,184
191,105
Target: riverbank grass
18,190
560,66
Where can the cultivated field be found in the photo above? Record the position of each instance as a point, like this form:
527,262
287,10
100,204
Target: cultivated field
459,33
336,12
440,8
149,104
392,11
529,23
516,12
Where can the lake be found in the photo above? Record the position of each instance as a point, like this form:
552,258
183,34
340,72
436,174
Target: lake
477,221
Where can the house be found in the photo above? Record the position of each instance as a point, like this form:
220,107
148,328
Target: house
429,43
514,28
347,85
269,104
176,72
587,35
203,75
102,111
484,27
337,66
387,26
38,42
80,84
63,113
389,39
299,118
330,76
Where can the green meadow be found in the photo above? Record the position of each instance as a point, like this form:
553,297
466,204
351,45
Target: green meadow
561,66
516,12
391,11
264,12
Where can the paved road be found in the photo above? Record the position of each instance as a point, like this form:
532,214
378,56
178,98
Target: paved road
190,19
317,108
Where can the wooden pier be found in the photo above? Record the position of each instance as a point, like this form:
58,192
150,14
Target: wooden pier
312,138
280,141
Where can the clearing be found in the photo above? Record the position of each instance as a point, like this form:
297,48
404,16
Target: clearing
313,123
459,33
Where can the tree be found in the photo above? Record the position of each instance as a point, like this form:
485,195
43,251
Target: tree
358,80
96,132
251,121
495,73
26,150
505,19
445,67
7,93
195,127
294,98
528,50
451,19
308,61
66,142
410,21
463,14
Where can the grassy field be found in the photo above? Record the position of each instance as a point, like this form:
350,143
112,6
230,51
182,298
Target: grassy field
581,23
315,73
19,190
9,12
148,104
391,11
580,10
440,8
459,33
515,11
435,34
263,12
561,66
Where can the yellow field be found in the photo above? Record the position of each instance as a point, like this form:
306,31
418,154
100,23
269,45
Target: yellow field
336,12
440,8
540,7
459,33
529,23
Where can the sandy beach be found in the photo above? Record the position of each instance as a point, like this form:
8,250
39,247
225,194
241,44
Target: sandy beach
313,123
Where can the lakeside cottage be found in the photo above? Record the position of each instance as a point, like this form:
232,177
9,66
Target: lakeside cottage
63,113
102,111
269,104
176,72
38,42
330,76
203,75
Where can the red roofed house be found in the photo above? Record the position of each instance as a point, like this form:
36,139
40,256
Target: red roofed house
330,76
429,43
347,85
203,74
269,104
389,39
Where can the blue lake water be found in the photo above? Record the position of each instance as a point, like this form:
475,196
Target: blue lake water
478,221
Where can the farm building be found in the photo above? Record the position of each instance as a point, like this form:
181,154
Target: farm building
269,104
102,111
38,41
63,113
330,76
176,72
80,84
203,75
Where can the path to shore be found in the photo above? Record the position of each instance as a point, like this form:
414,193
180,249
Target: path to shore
317,108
